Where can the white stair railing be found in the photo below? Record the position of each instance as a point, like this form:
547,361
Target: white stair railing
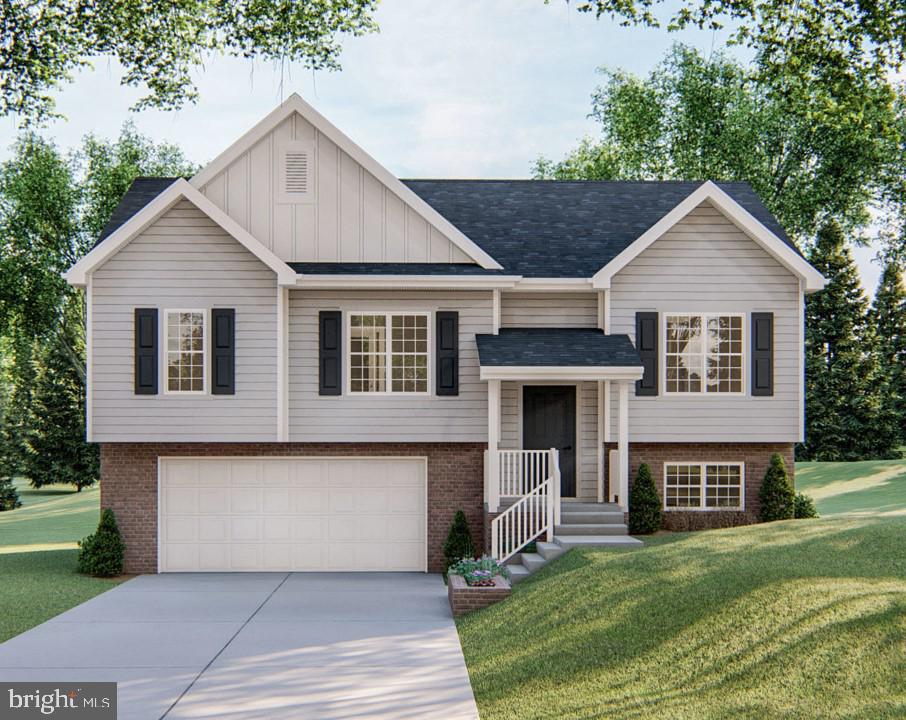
521,471
523,521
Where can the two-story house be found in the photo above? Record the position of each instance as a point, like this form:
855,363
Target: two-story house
297,361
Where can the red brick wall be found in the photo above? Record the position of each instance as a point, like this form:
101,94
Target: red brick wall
129,485
756,457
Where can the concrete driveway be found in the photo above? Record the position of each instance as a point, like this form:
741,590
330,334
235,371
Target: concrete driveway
263,645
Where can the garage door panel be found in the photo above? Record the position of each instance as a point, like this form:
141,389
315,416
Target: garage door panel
292,514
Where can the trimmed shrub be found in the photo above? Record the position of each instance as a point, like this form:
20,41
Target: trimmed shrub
459,543
102,554
777,496
644,504
9,498
804,507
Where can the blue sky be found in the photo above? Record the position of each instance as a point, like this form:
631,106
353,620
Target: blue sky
448,88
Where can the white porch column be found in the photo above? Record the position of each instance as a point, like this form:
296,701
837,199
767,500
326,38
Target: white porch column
623,445
282,364
493,475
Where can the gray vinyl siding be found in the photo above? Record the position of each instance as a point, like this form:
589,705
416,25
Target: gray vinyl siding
183,261
586,430
706,264
386,418
353,218
548,309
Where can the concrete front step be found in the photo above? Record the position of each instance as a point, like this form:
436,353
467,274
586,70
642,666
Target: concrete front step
571,541
569,516
569,506
549,550
517,572
590,529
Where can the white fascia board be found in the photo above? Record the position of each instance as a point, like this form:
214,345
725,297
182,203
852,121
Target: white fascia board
738,215
553,285
294,103
77,275
419,282
550,372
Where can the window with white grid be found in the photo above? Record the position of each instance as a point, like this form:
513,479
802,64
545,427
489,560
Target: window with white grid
704,354
703,486
388,353
185,351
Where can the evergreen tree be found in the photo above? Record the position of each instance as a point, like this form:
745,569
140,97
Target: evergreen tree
18,386
102,553
888,316
777,498
57,450
848,416
459,542
644,504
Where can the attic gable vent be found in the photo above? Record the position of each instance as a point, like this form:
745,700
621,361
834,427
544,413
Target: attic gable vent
295,172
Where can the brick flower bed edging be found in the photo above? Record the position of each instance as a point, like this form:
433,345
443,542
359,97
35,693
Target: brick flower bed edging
465,599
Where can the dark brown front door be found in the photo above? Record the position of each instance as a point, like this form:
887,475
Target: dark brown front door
549,421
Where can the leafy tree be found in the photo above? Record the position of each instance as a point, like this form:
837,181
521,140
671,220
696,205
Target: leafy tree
847,413
777,498
644,504
57,451
18,381
459,542
813,151
888,315
102,553
160,44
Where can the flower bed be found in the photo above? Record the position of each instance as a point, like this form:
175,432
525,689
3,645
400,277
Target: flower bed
473,584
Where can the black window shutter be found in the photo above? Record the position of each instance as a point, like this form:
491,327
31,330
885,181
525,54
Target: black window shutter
146,351
330,352
646,332
223,351
762,353
447,340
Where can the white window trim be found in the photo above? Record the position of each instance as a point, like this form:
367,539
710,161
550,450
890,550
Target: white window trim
702,508
388,354
205,341
703,392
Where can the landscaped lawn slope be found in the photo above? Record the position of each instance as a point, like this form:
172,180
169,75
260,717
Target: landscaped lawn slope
797,619
874,487
38,556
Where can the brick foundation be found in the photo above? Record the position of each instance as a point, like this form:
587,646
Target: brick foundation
756,456
464,599
129,485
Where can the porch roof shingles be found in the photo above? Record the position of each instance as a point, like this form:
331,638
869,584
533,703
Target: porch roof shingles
556,347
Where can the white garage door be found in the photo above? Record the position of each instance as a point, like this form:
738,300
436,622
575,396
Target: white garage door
292,514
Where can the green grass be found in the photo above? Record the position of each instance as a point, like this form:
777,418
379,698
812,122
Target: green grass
38,556
797,619
876,487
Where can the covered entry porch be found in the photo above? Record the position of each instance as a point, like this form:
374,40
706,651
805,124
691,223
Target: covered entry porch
558,399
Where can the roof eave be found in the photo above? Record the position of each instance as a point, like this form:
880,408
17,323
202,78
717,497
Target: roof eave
561,372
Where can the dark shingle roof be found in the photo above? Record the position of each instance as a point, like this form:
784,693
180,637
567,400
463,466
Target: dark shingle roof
552,228
142,191
556,347
314,268
534,228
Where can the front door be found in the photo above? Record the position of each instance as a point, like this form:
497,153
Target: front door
549,421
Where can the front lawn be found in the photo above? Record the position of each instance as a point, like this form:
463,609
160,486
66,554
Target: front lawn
38,556
875,487
798,619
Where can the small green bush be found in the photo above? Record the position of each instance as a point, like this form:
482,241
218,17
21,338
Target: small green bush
102,554
804,507
644,504
477,571
9,498
777,496
459,543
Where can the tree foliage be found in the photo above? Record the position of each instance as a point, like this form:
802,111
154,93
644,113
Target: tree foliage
888,316
459,543
160,44
777,499
102,553
848,411
644,504
811,152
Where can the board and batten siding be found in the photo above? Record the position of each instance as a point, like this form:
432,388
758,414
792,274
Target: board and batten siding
183,261
706,264
363,417
549,309
586,429
354,217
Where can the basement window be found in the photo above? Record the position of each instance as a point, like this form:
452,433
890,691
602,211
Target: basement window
704,486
